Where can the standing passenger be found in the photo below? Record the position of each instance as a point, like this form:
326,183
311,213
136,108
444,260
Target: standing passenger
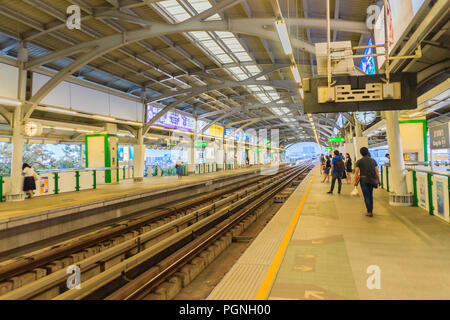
322,159
348,167
338,168
29,184
366,173
179,167
326,170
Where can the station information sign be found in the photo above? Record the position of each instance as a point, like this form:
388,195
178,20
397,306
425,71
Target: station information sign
336,140
440,137
171,120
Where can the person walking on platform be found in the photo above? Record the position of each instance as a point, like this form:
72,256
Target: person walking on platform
179,167
29,183
366,173
348,167
337,169
326,169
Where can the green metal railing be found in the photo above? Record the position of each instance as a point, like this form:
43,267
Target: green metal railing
1,188
429,183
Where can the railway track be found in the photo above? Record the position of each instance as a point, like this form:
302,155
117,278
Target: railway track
130,260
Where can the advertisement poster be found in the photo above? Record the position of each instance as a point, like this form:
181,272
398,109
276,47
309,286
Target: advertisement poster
440,197
422,188
367,64
399,13
172,120
44,185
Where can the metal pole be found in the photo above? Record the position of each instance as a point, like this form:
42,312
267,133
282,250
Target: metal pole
328,44
386,40
16,193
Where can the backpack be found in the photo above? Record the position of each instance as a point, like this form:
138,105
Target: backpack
339,165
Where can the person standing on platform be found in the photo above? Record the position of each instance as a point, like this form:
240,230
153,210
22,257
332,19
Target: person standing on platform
322,159
179,167
29,183
337,170
344,175
366,173
389,159
348,167
326,170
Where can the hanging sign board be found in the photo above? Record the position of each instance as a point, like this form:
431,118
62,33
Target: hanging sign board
439,137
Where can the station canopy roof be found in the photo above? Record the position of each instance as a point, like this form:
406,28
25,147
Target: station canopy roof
221,60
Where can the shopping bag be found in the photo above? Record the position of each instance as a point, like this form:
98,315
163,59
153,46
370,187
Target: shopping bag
354,192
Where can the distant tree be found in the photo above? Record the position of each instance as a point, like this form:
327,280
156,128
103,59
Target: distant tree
71,158
38,156
5,158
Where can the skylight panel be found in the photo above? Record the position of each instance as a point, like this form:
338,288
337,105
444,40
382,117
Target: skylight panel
200,35
224,58
215,17
223,35
253,88
243,56
175,10
254,70
200,5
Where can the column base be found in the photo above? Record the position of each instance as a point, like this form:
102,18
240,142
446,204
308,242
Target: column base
138,179
398,200
15,197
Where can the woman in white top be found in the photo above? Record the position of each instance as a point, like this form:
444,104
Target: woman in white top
28,184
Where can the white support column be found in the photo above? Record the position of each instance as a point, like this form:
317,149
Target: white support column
397,181
139,157
16,193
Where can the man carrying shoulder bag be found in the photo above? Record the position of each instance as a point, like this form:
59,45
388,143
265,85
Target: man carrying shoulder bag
367,175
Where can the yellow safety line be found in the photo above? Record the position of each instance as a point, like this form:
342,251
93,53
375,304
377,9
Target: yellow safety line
270,276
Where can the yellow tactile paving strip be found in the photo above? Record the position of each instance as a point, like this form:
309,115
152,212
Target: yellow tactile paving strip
333,245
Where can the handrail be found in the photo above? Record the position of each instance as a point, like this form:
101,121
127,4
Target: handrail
83,169
437,173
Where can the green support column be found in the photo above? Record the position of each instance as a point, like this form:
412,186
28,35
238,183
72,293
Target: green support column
1,189
415,200
382,185
430,193
123,173
133,171
56,178
77,179
94,174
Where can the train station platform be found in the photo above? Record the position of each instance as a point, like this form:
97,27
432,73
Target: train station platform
75,210
321,246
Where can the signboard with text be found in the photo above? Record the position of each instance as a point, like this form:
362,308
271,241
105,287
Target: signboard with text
171,120
439,137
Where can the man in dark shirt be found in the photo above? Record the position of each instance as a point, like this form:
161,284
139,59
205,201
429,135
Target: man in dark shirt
366,173
336,172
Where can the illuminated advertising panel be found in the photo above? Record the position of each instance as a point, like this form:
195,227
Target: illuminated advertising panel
171,120
367,64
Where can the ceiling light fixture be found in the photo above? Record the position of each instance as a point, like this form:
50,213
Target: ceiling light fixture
284,36
296,74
